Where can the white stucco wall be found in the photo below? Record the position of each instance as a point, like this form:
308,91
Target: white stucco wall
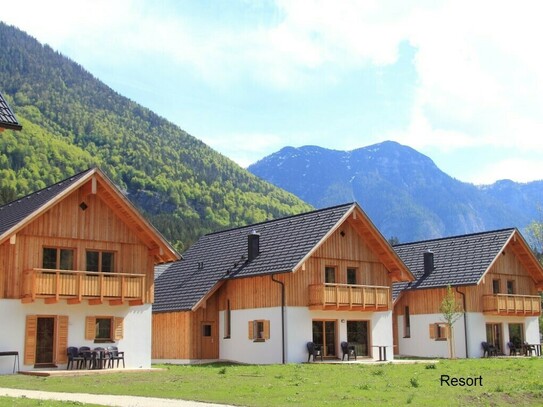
240,348
298,331
477,330
136,342
420,344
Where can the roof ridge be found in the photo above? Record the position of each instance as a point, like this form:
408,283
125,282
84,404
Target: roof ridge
70,178
487,232
280,219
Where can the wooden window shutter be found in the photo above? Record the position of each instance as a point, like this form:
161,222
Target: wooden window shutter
447,330
62,338
118,328
251,330
90,328
266,329
432,331
30,339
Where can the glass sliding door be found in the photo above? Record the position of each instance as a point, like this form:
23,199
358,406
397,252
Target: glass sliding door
324,335
357,335
494,336
45,341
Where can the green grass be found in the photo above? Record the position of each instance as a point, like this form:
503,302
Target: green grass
505,382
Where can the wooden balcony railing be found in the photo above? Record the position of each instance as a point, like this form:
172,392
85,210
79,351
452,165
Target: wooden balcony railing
349,297
75,286
508,304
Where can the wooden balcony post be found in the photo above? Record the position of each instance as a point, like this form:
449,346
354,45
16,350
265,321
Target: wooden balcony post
337,296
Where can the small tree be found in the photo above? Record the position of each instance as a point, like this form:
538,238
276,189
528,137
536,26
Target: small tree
451,310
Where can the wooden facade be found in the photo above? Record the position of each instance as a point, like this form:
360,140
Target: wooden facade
506,271
90,218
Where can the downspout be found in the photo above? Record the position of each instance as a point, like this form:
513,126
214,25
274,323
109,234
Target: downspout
282,316
465,323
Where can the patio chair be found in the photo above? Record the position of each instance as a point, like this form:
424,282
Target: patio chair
489,350
313,350
115,355
513,349
86,353
529,350
74,356
348,350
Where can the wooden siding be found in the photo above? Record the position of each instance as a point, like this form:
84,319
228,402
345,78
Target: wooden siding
506,267
66,225
178,335
340,252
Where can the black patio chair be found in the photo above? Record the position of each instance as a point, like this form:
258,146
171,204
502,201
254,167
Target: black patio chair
529,350
115,355
313,350
514,349
348,350
86,353
489,349
74,356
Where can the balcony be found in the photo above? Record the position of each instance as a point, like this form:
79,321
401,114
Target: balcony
349,297
508,304
76,286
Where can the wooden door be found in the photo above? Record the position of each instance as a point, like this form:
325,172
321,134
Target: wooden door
209,341
45,341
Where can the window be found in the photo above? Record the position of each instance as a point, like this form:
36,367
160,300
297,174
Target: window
439,331
259,330
206,330
103,328
58,259
330,275
510,287
495,286
227,321
406,323
351,276
100,261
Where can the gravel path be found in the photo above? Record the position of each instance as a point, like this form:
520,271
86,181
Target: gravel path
105,399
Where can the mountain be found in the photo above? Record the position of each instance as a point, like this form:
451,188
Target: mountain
72,121
405,194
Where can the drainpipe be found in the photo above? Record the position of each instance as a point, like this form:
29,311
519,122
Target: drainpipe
465,323
282,316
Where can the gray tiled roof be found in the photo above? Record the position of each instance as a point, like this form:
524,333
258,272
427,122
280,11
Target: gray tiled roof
7,118
283,244
458,260
14,212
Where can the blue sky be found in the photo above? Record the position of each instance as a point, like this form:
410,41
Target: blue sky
461,82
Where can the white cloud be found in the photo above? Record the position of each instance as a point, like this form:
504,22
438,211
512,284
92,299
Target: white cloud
517,169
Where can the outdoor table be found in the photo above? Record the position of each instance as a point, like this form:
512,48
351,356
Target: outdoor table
15,354
537,347
382,352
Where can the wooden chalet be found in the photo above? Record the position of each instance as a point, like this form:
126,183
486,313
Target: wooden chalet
258,294
496,279
76,269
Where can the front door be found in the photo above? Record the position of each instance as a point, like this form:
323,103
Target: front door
324,335
357,335
209,342
45,341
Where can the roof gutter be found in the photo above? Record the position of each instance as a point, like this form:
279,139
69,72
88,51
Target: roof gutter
282,317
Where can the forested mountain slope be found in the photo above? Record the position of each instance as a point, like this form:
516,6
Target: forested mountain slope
72,121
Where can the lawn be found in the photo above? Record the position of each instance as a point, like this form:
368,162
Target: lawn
504,382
